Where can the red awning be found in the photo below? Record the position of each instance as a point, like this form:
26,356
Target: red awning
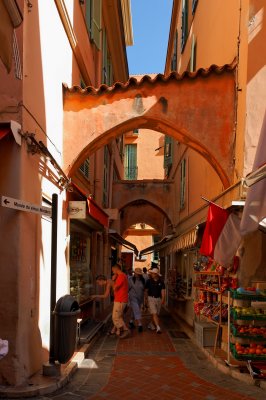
97,213
94,210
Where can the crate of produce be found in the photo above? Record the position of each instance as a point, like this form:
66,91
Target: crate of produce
248,313
253,351
248,332
243,294
205,333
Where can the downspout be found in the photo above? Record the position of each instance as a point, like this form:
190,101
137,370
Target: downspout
111,172
238,90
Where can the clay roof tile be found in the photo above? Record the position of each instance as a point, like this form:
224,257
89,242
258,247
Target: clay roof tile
102,89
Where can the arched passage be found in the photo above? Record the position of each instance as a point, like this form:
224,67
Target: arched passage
195,108
144,211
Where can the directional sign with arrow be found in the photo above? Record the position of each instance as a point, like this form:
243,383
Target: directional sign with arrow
24,206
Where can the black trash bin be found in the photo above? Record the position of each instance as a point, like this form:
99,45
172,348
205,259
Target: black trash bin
65,313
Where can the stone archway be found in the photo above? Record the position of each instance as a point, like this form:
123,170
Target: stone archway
197,109
141,210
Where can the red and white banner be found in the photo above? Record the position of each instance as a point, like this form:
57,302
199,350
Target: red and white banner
255,205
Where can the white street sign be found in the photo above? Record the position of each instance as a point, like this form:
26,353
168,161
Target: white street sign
24,206
77,209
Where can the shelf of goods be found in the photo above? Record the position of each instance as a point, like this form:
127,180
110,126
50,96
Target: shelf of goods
208,304
247,324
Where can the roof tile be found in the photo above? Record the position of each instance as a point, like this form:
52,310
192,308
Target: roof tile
103,89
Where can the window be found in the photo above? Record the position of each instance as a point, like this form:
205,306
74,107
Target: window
194,6
168,154
88,15
85,168
193,54
174,57
94,20
184,24
135,131
168,144
107,68
106,165
82,83
182,183
131,169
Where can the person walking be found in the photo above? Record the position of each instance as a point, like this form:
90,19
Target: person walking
155,290
146,277
108,284
136,286
145,274
120,301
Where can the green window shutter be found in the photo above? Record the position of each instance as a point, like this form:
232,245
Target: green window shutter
85,168
194,6
131,169
184,25
193,55
96,22
182,184
168,151
88,15
104,58
174,57
109,72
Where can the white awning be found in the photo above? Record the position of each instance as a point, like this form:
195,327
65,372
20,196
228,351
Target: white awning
174,243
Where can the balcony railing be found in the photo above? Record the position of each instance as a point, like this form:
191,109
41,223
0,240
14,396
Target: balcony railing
131,173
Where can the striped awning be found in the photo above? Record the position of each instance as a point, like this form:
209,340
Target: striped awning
173,244
185,241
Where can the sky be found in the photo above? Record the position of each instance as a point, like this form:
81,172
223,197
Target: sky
151,24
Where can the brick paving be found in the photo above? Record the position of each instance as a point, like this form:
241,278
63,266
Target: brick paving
150,366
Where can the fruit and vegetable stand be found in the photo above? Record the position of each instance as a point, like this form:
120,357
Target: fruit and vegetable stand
247,324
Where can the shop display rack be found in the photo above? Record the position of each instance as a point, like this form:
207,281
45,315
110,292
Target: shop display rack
209,293
246,325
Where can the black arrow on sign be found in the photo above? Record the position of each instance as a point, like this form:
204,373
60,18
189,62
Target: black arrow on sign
6,201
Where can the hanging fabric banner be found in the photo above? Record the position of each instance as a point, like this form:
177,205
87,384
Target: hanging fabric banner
216,220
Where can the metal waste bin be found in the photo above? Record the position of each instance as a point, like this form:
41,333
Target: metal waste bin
65,313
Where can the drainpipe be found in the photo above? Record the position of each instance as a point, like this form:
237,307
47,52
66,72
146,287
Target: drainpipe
111,173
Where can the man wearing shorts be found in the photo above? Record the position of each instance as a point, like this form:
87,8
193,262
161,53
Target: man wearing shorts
120,301
155,290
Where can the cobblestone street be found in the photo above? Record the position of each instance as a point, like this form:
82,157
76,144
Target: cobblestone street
151,366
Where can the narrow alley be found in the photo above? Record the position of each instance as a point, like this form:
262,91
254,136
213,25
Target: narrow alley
150,366
133,174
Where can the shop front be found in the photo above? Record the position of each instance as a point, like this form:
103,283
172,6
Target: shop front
88,246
